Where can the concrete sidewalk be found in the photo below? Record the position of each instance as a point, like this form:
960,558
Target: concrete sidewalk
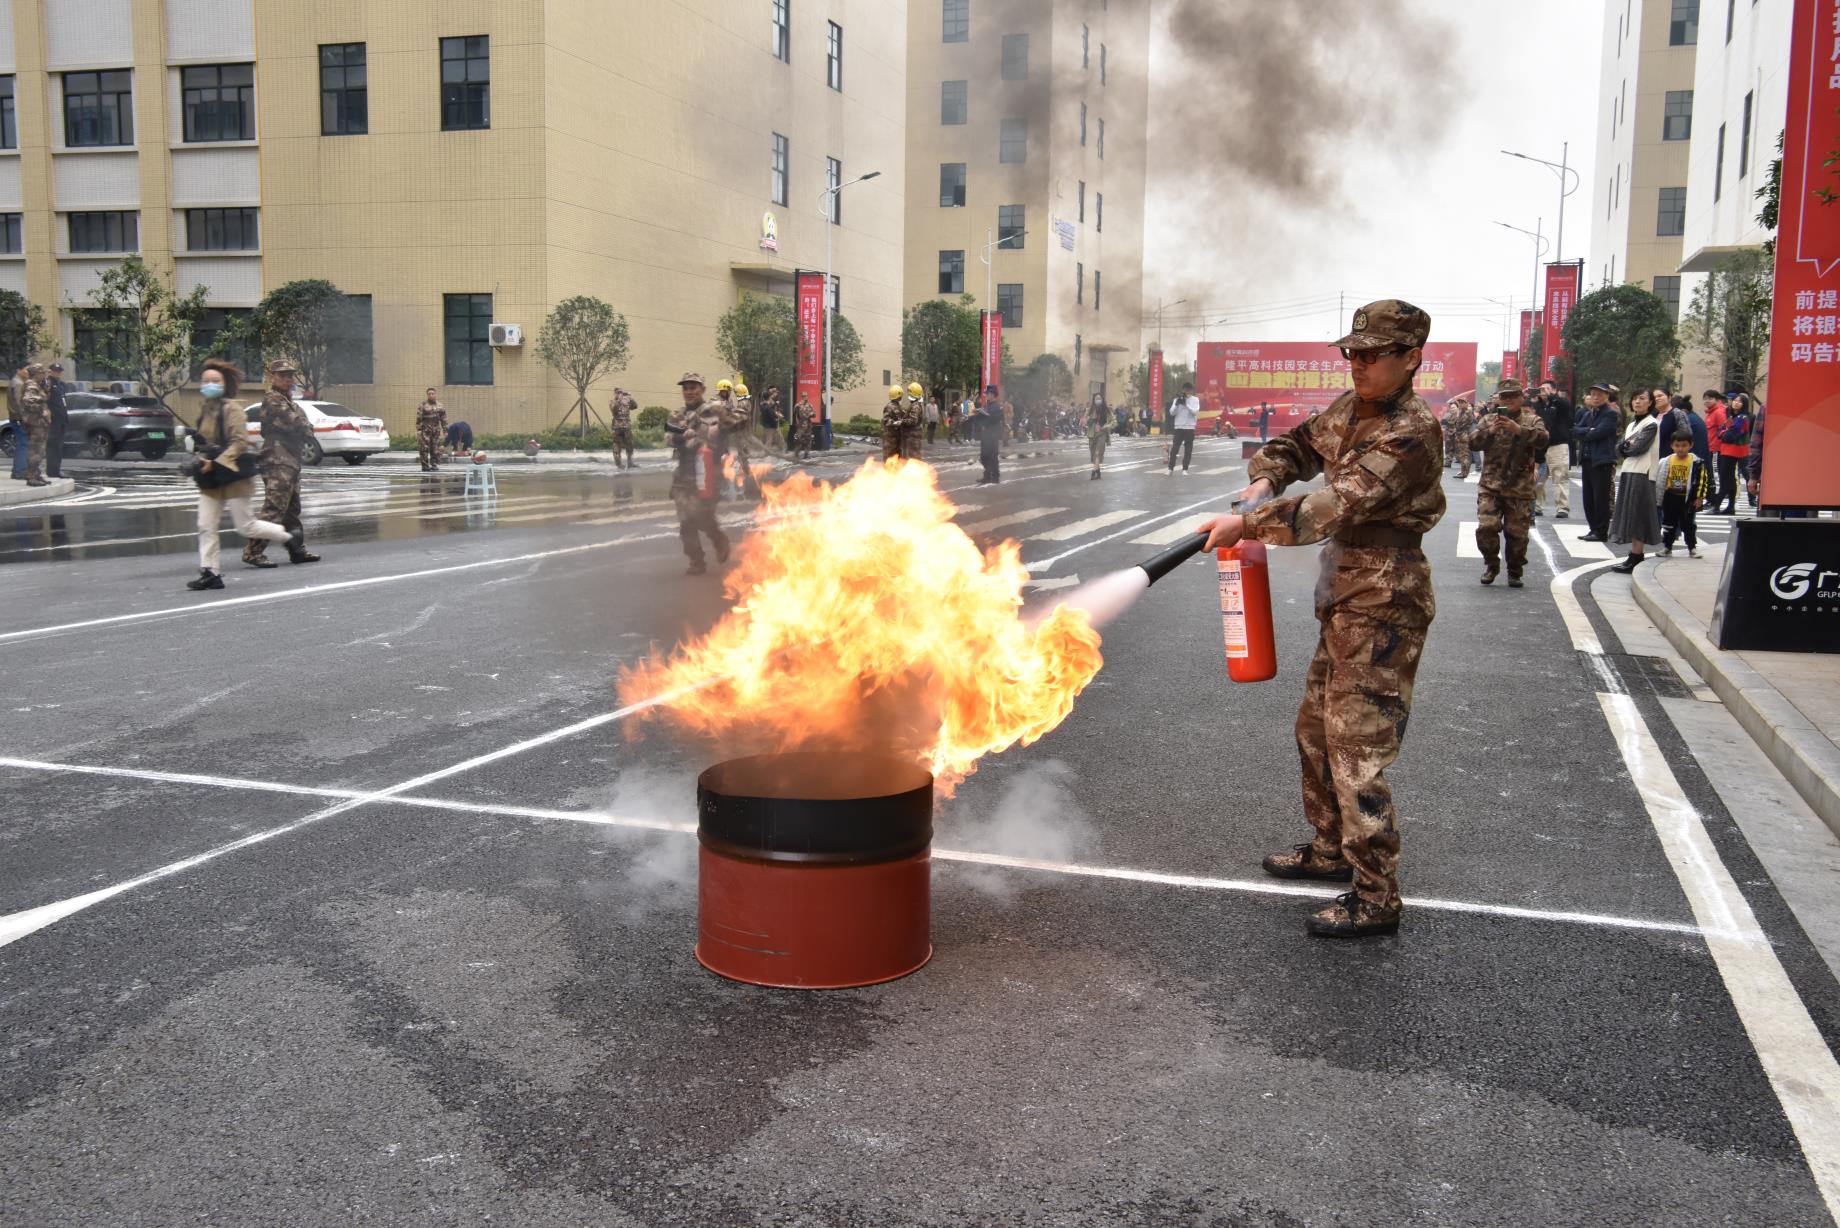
1789,702
13,491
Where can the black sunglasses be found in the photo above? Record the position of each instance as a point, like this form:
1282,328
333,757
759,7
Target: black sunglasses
1369,357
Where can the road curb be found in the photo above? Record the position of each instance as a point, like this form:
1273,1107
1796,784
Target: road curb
1808,760
13,493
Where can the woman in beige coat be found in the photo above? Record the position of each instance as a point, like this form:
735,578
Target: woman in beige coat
223,437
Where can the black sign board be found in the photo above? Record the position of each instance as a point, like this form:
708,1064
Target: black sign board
1781,588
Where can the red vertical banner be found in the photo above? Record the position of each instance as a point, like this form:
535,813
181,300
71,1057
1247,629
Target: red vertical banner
1802,434
1156,379
810,307
1562,282
1511,365
993,348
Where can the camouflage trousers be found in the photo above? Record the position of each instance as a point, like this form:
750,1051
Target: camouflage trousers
744,448
38,437
1375,607
1459,446
1095,448
1494,513
697,515
428,447
280,504
913,439
801,442
623,445
891,442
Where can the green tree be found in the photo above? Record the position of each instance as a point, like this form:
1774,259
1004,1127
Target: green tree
1730,316
22,331
583,341
1046,378
1488,379
1137,379
1531,357
940,343
142,327
310,321
758,339
1622,335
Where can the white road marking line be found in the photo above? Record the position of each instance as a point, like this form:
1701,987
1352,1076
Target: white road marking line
1069,869
1475,477
1168,535
1569,534
1584,637
1801,1068
997,522
1092,524
1045,564
17,925
1466,540
1203,473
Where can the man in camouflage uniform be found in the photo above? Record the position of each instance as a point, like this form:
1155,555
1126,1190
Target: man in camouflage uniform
1098,433
620,413
913,426
804,419
430,427
1380,452
1512,442
738,435
35,416
711,416
894,421
285,434
1459,426
688,430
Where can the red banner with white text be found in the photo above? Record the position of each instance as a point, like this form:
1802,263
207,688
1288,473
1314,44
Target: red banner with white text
1802,438
1561,296
1299,378
1156,379
993,348
810,307
1510,365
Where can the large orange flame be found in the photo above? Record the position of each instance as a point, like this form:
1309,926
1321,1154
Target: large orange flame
865,619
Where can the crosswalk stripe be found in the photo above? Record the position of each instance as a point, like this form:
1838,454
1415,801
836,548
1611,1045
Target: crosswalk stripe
1092,524
1169,534
1466,541
997,522
1569,534
1475,477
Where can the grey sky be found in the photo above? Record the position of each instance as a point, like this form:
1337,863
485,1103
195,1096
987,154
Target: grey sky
1415,210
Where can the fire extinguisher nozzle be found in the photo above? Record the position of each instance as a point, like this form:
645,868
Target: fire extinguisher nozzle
1172,558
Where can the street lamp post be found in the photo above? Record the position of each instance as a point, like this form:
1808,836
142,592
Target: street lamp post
1539,250
1161,306
986,256
826,202
1563,169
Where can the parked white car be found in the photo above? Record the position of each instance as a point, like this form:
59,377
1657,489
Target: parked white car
336,432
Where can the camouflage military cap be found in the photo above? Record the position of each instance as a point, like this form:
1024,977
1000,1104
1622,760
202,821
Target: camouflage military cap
1386,324
1510,387
690,377
282,366
35,370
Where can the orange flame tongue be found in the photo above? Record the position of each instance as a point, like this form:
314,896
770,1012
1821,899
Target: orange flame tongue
865,619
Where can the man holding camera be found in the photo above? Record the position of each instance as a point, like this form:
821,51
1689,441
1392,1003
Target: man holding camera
1512,440
1557,416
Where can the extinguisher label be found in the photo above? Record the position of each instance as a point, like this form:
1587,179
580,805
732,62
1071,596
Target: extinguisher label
1233,609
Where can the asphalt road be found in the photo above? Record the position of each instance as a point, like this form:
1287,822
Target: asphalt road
327,898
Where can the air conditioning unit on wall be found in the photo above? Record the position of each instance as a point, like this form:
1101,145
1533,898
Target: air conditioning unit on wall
503,335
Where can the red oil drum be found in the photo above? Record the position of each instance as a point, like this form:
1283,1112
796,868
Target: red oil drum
815,870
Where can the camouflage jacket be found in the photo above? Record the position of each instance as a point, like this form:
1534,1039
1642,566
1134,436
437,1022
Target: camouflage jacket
619,410
285,430
1459,423
691,428
916,414
730,415
803,416
900,414
34,403
1388,475
430,417
1511,452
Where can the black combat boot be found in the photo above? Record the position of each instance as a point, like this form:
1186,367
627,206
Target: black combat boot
696,568
1514,580
1490,571
206,579
259,560
302,556
1302,862
1352,917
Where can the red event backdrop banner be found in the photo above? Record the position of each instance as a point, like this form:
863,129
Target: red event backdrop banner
1561,296
1296,377
810,378
1801,439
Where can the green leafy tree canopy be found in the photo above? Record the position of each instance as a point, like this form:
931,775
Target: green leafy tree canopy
142,327
309,321
22,330
940,344
1622,335
583,341
758,339
1730,315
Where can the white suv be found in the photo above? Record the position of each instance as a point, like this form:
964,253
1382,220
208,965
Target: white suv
336,432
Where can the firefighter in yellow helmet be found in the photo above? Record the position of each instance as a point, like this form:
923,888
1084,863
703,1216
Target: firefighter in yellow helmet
913,426
894,415
738,436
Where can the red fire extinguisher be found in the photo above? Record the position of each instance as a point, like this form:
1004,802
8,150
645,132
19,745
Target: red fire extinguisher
708,473
1245,612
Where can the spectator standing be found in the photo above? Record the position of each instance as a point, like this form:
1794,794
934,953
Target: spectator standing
1696,426
1715,415
932,421
1596,438
55,388
1555,414
35,413
1731,443
1184,412
988,424
1264,421
1636,522
1684,486
15,411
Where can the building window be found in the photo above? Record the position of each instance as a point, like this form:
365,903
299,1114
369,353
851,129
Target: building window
953,104
782,170
1671,217
1101,63
344,90
1082,125
833,59
1009,303
1718,167
782,30
1079,282
1677,117
951,185
1667,289
833,181
957,24
1015,57
1097,280
207,339
467,328
221,230
12,233
219,102
1744,137
466,84
1683,24
105,232
1013,144
1098,210
836,292
1102,140
1085,45
1082,204
952,272
104,348
1011,227
9,124
98,108
351,359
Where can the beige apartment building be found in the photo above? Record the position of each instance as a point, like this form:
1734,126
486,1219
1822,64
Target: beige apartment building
1026,129
457,165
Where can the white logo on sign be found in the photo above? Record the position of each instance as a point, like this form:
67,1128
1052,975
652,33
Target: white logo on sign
1792,583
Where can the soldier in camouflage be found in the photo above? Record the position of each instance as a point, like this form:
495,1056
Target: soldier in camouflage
1098,433
1380,452
35,416
738,432
1512,441
689,431
1459,426
620,414
430,427
286,432
913,425
804,420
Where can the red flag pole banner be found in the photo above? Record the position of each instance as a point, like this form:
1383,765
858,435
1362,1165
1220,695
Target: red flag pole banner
1156,381
1510,365
993,349
1298,378
1801,439
1561,296
810,376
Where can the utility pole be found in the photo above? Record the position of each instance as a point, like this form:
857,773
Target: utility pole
827,201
